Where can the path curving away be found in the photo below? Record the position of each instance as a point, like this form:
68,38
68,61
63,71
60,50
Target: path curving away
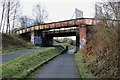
8,57
64,66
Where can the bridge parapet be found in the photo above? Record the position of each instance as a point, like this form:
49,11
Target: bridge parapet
60,24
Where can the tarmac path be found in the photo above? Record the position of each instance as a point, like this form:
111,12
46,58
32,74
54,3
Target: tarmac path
63,66
8,57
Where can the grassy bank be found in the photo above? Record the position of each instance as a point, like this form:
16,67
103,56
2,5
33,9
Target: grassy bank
22,66
12,43
11,51
83,70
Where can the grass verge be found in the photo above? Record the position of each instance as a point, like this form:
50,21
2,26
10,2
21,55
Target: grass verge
83,70
22,66
11,51
13,43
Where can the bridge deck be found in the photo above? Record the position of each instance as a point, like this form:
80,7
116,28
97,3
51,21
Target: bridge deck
60,24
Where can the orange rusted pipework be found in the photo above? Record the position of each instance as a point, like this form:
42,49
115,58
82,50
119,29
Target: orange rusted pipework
60,24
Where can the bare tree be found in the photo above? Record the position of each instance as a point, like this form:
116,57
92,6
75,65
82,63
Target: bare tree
3,7
23,21
8,22
108,11
110,15
108,19
16,15
40,14
10,14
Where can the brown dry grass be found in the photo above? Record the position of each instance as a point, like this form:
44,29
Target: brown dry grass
13,42
101,54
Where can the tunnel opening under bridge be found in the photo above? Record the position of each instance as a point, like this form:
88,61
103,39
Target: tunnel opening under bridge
49,38
68,42
45,38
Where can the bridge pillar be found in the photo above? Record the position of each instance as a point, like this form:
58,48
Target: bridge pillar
47,41
40,38
32,38
82,36
77,39
36,37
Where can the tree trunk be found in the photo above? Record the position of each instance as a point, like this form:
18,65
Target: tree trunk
8,23
14,19
2,16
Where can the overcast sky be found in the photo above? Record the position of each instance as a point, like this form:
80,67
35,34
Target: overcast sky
60,9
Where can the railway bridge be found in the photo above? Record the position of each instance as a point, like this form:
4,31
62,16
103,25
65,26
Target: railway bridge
46,32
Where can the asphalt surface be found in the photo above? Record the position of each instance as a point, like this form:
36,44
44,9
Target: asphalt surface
8,57
64,66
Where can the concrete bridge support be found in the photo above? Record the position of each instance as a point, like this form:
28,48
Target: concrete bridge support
36,37
39,38
80,38
32,38
47,41
77,39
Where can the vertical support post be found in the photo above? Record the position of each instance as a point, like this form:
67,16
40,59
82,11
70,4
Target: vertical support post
82,35
47,40
77,39
37,37
32,37
50,41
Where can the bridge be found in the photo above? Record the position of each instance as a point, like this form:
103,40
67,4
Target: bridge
73,27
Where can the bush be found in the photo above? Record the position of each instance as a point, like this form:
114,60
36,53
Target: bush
101,54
